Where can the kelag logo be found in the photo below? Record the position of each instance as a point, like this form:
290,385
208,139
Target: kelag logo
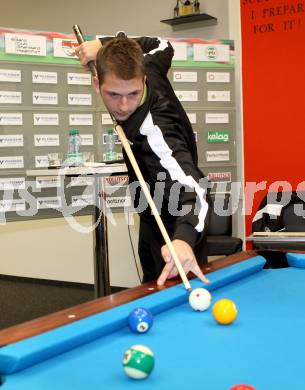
218,136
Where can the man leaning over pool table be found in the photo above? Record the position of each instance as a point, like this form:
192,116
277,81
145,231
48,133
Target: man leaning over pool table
132,81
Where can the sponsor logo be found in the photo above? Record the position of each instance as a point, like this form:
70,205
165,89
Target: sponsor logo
106,119
9,119
219,176
81,119
44,98
118,201
48,183
79,99
68,47
13,95
81,181
25,44
187,96
211,52
219,96
12,205
116,180
218,136
86,139
8,75
46,140
41,161
12,183
218,77
188,77
49,203
44,77
11,162
79,79
45,119
82,200
216,118
11,140
218,155
10,97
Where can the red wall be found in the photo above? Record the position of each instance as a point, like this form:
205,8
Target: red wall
273,72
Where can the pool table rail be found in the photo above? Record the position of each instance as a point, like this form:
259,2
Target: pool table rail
43,324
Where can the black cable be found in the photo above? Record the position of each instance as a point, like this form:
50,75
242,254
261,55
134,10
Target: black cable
132,248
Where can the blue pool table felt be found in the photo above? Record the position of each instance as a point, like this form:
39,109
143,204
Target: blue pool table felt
263,347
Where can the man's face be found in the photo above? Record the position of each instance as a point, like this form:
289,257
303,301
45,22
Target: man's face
121,97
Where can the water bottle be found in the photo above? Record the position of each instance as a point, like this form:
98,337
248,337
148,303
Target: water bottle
74,157
110,154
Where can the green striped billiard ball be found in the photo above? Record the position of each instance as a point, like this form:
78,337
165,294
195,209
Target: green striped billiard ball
138,361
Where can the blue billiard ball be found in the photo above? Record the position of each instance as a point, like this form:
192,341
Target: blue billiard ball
140,320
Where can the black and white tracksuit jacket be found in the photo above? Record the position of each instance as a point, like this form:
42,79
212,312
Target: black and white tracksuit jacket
163,142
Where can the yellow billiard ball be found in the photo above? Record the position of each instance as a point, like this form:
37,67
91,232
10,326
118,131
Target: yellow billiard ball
224,311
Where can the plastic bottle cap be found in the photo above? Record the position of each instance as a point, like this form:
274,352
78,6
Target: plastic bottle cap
109,131
73,132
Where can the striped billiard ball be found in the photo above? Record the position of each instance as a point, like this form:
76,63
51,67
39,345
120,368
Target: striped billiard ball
138,362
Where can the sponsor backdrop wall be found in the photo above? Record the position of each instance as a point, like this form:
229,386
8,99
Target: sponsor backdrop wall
44,92
273,60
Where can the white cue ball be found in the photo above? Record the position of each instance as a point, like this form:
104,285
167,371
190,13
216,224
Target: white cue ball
200,299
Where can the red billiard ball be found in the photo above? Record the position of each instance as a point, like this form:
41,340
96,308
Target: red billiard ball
242,387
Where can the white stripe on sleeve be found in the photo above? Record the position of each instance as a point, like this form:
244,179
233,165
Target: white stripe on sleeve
159,146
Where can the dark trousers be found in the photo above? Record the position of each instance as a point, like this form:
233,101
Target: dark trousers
150,243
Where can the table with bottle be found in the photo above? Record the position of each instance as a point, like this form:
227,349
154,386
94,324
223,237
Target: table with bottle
75,166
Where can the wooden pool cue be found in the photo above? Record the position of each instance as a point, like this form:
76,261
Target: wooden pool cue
80,39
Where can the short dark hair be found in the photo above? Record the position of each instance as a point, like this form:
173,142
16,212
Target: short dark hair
121,56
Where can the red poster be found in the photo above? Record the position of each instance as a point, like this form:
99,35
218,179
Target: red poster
273,72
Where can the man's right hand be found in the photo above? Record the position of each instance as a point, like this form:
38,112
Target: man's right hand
187,258
87,51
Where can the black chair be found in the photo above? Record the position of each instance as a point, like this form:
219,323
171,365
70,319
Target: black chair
219,232
280,212
293,217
